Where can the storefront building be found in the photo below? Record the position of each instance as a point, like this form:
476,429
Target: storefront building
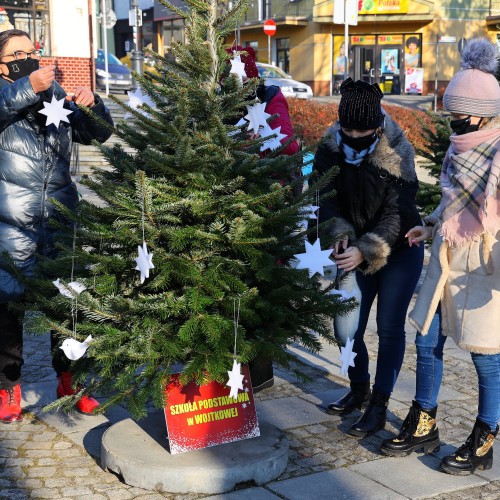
395,43
62,30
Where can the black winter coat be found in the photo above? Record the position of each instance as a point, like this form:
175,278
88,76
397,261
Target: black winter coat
374,205
34,170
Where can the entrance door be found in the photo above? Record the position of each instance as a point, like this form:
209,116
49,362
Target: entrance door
390,63
366,63
378,64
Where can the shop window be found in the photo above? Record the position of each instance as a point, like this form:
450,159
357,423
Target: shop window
283,54
31,16
173,31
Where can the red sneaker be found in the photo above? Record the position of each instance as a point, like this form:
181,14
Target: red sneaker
10,405
87,404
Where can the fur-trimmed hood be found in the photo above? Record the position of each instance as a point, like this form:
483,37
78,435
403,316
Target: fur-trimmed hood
393,153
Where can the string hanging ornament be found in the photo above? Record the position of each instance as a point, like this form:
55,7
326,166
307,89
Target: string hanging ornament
235,381
144,260
314,259
72,348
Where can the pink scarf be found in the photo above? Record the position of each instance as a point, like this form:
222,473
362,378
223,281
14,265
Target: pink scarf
469,181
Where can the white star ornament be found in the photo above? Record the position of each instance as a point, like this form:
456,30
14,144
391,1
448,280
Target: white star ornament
347,356
314,259
75,350
276,136
235,381
137,99
55,112
309,211
144,261
257,116
238,67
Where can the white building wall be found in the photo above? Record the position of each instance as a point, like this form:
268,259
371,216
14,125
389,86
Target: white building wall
69,28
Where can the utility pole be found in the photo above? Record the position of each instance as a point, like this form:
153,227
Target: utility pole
136,57
105,43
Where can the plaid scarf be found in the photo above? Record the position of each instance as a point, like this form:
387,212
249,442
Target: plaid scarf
469,182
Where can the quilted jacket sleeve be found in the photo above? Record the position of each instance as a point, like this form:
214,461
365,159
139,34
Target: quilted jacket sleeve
86,128
14,98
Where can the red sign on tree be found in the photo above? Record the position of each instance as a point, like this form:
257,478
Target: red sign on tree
269,27
199,416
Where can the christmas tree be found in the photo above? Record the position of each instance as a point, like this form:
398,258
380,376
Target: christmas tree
437,139
216,223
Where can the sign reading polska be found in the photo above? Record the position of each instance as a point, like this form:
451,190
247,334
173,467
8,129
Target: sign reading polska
200,416
269,27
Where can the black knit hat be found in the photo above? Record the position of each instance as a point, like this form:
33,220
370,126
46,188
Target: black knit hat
359,106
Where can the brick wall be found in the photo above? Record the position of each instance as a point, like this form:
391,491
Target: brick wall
71,72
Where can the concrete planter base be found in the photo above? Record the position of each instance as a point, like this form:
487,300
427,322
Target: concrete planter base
138,452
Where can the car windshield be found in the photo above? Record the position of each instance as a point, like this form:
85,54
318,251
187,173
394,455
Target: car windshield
112,59
271,72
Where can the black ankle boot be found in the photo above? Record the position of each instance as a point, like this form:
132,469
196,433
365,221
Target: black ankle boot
475,453
354,399
418,431
373,419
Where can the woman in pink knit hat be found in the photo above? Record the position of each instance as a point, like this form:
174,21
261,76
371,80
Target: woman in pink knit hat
460,296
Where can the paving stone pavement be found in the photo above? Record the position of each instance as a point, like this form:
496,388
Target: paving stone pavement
49,455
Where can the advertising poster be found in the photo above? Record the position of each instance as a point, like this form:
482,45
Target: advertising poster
389,61
412,52
200,416
339,56
414,80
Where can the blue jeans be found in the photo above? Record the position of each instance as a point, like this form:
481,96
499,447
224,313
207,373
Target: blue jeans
393,286
430,374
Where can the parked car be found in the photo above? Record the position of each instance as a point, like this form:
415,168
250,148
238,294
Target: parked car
290,87
118,76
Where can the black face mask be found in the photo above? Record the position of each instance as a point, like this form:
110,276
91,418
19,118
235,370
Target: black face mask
19,69
463,126
358,143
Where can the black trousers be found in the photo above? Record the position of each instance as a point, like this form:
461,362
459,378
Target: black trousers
11,349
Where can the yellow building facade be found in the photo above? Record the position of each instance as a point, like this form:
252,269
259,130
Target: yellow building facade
407,46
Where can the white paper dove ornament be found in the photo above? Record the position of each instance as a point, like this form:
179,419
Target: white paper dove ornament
62,289
73,289
75,350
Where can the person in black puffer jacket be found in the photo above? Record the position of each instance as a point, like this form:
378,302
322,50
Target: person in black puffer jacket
371,212
34,170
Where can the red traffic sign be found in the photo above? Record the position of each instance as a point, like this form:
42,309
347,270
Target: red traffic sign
269,27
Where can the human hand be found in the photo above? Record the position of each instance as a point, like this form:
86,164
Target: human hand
349,259
417,234
42,78
340,245
251,136
82,96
